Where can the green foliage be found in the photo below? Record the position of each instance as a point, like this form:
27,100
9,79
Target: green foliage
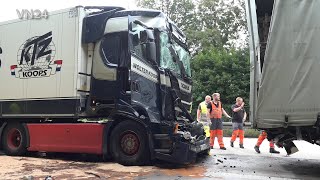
227,16
219,70
182,12
213,23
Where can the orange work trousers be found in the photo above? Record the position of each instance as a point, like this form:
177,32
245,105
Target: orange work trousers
262,137
237,133
216,133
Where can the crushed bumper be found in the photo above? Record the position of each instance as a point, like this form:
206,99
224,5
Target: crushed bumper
185,152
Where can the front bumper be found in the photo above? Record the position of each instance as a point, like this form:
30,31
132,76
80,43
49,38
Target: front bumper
185,152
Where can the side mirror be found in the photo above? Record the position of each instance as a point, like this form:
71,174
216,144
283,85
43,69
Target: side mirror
146,36
151,51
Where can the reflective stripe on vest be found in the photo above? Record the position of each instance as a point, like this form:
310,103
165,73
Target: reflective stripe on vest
216,112
203,107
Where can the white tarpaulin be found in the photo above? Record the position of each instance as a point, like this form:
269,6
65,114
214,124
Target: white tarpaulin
290,83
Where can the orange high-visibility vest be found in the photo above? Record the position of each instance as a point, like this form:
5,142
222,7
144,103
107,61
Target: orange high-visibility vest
216,112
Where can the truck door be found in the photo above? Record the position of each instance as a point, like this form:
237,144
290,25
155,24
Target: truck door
144,76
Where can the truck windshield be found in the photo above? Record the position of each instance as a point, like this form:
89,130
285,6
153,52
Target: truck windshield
184,56
166,58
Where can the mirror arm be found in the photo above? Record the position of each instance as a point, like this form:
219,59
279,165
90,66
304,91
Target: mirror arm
142,24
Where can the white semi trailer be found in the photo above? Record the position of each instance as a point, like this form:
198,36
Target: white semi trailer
284,62
130,69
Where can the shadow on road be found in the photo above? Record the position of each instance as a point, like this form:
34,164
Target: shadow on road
164,165
308,168
66,156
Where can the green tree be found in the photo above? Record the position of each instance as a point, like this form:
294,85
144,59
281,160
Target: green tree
207,23
219,70
226,16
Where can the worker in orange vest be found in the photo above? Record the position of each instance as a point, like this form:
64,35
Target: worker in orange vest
262,137
214,113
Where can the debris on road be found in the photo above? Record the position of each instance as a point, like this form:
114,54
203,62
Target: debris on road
94,174
28,178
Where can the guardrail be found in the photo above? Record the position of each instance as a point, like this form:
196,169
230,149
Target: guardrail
247,124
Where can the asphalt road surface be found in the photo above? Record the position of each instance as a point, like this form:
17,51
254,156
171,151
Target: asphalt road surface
234,163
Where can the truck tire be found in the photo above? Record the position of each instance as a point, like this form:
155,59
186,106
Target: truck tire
14,140
129,144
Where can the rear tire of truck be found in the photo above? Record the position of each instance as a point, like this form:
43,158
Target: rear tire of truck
129,144
14,140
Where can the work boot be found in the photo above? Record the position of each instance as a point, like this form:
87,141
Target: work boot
257,149
231,144
223,148
241,146
272,150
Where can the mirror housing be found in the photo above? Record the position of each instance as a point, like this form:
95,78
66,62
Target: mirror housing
146,36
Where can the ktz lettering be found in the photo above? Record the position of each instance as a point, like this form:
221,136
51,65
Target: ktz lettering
39,46
36,58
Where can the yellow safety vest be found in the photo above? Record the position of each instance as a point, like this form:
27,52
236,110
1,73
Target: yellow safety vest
203,107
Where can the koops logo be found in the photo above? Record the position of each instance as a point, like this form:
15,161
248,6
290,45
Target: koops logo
36,58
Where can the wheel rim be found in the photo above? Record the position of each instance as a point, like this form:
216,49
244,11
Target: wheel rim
14,138
130,143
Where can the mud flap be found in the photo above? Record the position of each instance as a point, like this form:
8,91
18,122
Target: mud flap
1,130
290,147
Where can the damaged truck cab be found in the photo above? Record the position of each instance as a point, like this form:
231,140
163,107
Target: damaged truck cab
132,98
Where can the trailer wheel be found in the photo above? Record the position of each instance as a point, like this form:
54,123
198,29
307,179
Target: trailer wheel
14,140
129,144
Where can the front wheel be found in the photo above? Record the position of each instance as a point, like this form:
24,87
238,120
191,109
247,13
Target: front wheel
129,144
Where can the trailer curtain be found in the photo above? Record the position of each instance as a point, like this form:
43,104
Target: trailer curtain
290,83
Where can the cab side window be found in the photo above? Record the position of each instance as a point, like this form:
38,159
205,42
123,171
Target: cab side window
111,47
